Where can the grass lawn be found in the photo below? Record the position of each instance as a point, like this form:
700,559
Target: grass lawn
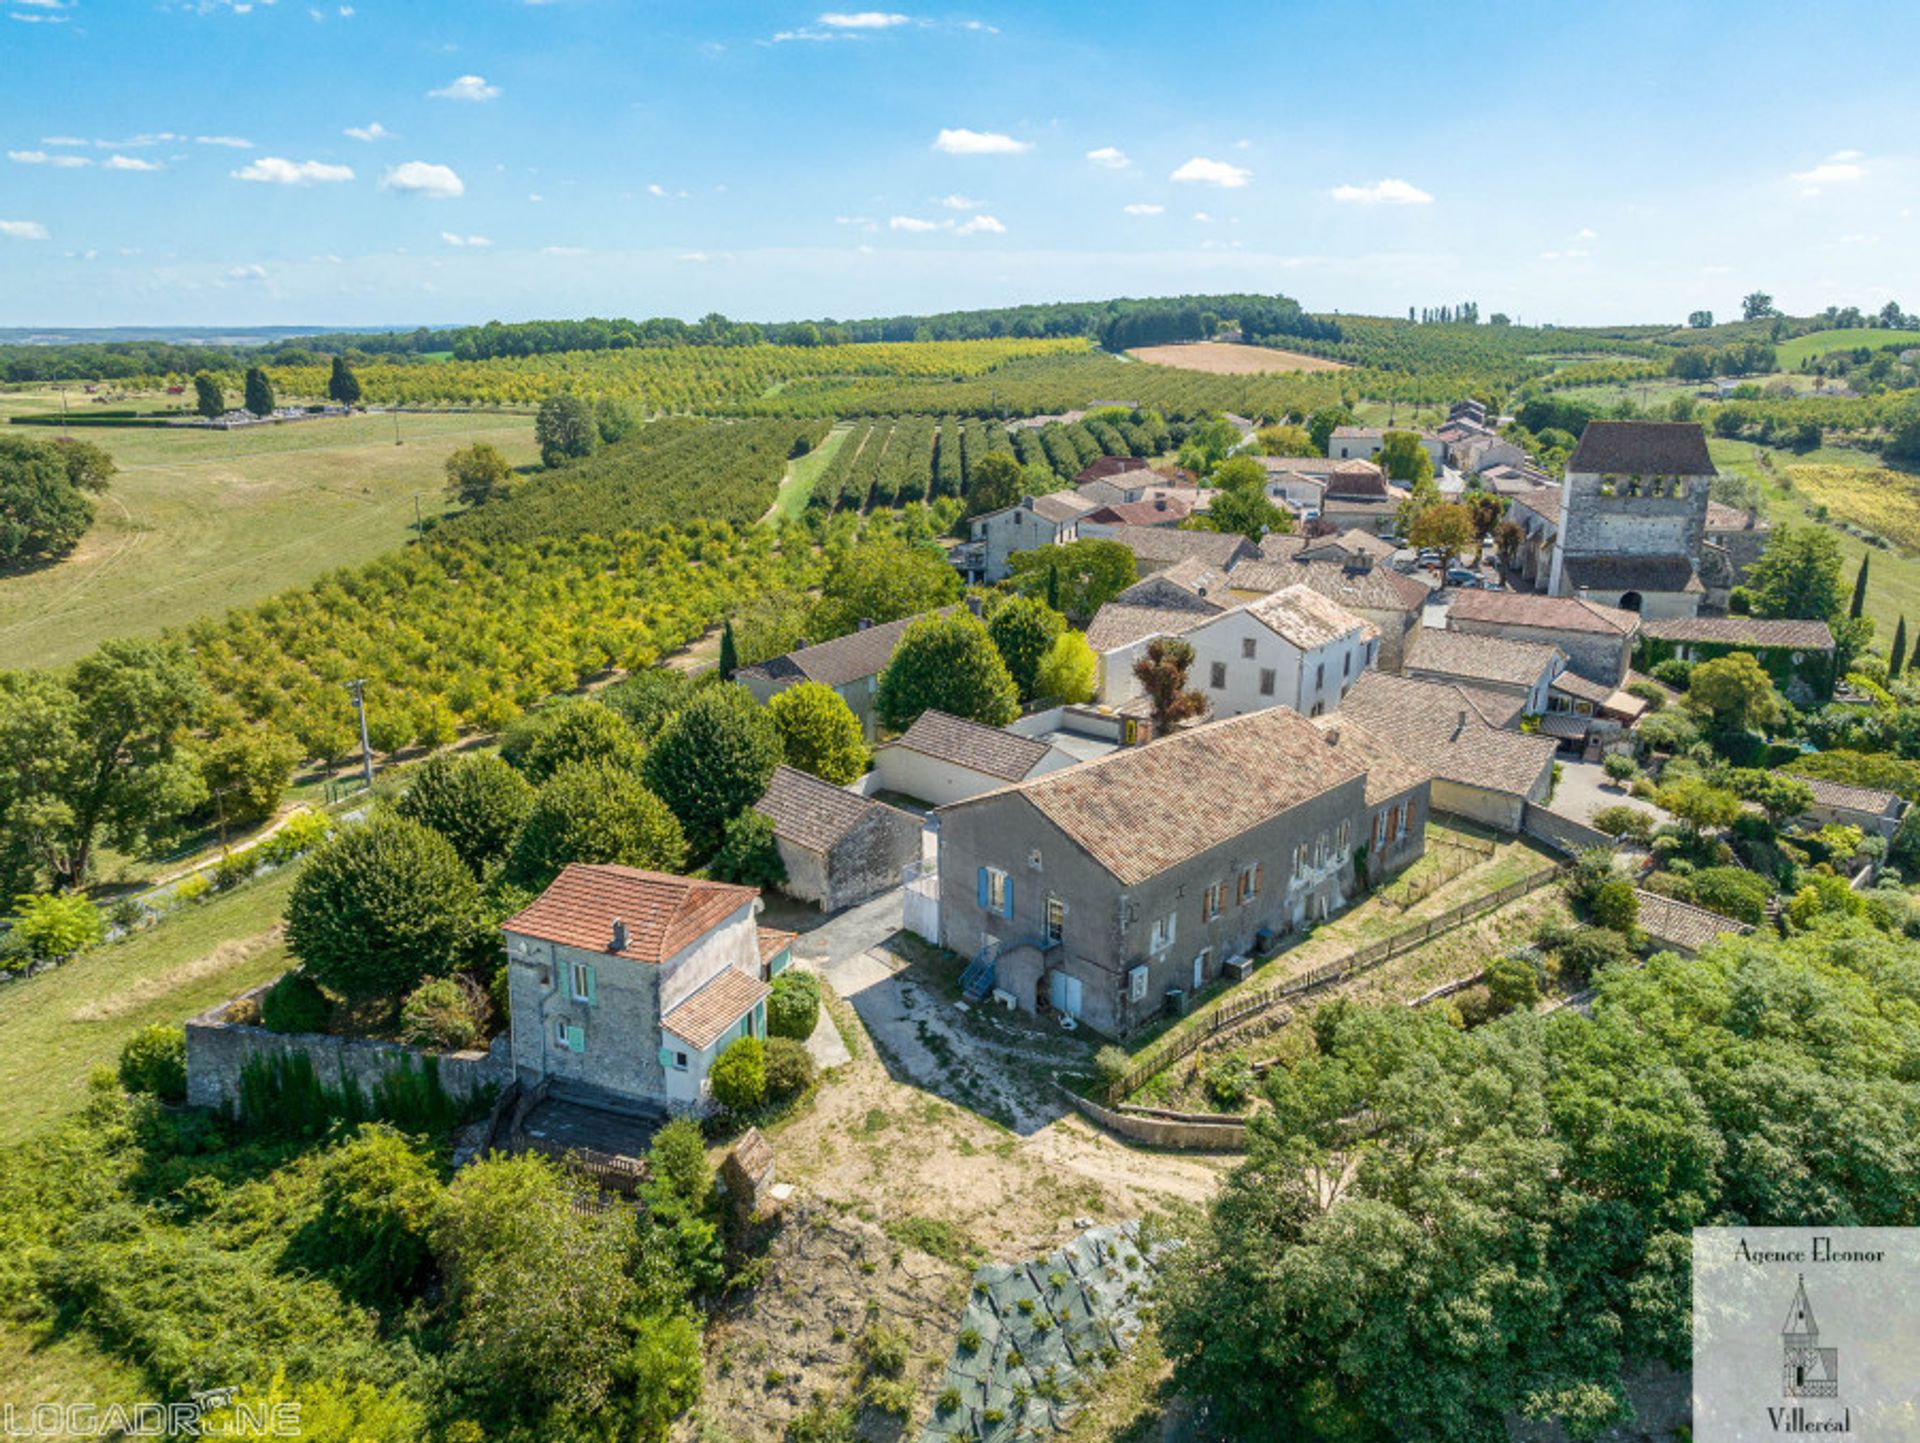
1819,343
38,1366
200,521
57,1027
1894,587
797,485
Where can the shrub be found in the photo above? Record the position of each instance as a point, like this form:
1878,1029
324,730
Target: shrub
1229,1081
301,832
476,802
819,732
1733,892
748,853
155,1061
377,1197
447,1013
382,906
52,925
1620,768
883,1350
794,1009
247,771
1615,907
235,868
1624,821
295,1004
739,1074
1110,1064
1654,696
891,1395
1590,949
1673,672
1512,983
789,1068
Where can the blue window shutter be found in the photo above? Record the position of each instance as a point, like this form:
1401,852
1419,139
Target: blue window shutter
981,882
576,1040
592,991
1007,911
666,1057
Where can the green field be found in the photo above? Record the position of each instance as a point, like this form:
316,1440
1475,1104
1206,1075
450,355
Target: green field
200,521
797,485
1819,343
57,1027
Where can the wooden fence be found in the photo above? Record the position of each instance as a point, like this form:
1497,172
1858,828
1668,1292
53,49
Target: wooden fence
1253,1002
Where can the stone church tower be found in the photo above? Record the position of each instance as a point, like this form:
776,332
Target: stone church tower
1633,517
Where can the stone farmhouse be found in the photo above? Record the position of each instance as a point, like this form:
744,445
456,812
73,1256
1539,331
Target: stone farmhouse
1359,497
1091,894
1392,603
625,985
850,664
839,848
1873,810
1524,670
1050,520
1597,640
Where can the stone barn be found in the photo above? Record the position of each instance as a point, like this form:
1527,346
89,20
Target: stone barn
839,848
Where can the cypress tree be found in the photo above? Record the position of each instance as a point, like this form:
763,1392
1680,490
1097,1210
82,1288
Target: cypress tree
1897,658
343,386
1860,588
259,392
1053,587
729,655
1913,657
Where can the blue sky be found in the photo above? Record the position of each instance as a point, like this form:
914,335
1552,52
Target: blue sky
210,162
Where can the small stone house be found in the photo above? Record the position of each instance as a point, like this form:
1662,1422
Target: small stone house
1121,630
1798,655
850,664
1523,669
1092,894
1874,811
839,848
626,984
942,758
1033,521
1597,640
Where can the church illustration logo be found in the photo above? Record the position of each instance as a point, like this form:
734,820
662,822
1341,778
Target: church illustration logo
1807,1370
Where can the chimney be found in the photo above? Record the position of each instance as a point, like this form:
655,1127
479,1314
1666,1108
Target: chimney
1461,724
1333,736
619,936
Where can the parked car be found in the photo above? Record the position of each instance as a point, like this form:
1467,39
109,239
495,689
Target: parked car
1460,576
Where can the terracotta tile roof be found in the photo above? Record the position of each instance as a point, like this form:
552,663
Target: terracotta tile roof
1722,517
1423,719
1122,623
1059,506
844,659
1281,547
1573,684
812,813
1103,466
1459,654
1390,771
1164,545
663,913
1141,810
1855,799
963,743
773,941
1642,448
703,1019
1545,613
1682,925
1377,588
1544,502
1630,573
1742,631
1305,618
1159,511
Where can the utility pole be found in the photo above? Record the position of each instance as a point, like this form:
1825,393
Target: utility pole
366,747
396,425
66,421
419,527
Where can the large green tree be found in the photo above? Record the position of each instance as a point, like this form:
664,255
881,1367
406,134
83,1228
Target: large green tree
342,385
1023,629
592,813
259,392
208,399
997,480
1240,502
882,580
1734,693
1069,672
1797,575
564,427
97,751
382,905
819,732
948,663
44,510
713,761
1403,458
477,474
246,770
582,731
1078,578
477,802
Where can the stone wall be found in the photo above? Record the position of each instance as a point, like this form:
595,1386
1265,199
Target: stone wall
217,1051
1188,1133
1561,832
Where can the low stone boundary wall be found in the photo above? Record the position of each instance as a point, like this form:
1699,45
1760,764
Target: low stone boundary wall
1170,1130
217,1051
1562,833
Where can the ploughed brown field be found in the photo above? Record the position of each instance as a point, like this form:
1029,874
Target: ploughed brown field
1222,358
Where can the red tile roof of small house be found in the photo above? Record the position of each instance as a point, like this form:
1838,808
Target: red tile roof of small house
663,914
703,1019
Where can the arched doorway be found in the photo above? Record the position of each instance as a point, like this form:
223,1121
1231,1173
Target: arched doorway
1630,601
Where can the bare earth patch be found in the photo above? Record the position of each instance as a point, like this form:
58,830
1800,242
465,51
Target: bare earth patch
1223,358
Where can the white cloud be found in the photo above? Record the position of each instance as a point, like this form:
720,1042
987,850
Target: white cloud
272,170
961,202
419,177
247,273
977,225
1587,232
136,142
61,140
41,157
1382,192
1840,168
128,162
23,229
655,188
1144,207
231,142
563,250
1565,255
535,197
912,223
479,242
467,87
40,19
373,131
1110,156
982,225
1203,217
862,20
1201,171
979,142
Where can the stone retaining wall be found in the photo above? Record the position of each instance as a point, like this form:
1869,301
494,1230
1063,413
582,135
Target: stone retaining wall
1186,1132
1563,833
217,1050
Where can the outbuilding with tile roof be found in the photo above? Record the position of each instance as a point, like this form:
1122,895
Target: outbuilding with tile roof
942,758
839,848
